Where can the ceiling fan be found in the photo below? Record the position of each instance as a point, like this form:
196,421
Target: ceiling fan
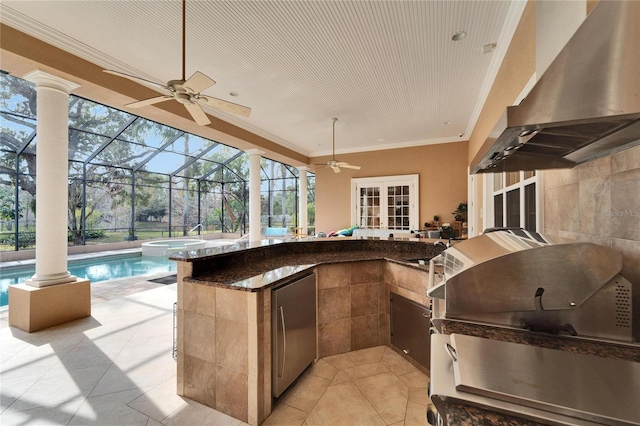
333,163
187,92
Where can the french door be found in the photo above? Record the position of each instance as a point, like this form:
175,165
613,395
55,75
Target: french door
388,202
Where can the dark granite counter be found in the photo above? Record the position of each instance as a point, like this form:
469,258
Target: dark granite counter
616,350
254,266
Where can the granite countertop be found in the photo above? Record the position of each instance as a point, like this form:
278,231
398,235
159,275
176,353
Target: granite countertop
629,351
255,266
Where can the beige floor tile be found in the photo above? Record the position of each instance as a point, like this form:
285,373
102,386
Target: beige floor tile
417,379
324,370
306,393
146,373
366,370
340,361
341,377
396,363
110,409
284,415
419,396
367,356
160,401
416,415
344,404
59,386
152,422
11,389
53,415
387,394
398,424
197,414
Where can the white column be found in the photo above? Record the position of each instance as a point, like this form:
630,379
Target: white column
254,194
52,179
302,199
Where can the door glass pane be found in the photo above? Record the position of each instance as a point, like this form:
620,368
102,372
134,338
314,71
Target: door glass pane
398,210
498,219
530,174
369,214
513,208
530,207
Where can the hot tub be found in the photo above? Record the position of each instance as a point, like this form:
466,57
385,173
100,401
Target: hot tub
166,247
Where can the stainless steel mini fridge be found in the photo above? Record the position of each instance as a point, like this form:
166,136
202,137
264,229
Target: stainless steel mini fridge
293,322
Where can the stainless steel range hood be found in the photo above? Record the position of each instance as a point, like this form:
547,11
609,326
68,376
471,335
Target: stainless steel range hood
585,106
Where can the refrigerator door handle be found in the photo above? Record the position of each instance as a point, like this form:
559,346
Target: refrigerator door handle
284,341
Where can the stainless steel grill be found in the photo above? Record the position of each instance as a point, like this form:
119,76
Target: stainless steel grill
521,279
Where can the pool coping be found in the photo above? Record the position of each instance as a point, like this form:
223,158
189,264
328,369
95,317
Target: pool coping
71,258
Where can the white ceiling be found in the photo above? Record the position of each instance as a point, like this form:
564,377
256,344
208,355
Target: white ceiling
387,69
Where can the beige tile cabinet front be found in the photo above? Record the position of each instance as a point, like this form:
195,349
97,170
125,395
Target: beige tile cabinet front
224,334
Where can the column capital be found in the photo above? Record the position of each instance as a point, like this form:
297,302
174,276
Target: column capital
44,79
254,151
303,168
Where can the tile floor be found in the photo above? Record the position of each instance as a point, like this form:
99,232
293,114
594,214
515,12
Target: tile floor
116,368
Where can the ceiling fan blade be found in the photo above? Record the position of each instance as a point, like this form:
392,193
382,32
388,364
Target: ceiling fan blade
349,166
150,101
198,82
336,169
137,79
224,105
197,113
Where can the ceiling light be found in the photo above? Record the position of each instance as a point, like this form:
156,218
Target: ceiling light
458,36
447,122
234,93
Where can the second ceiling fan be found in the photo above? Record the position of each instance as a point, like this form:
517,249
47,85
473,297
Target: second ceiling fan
187,92
334,164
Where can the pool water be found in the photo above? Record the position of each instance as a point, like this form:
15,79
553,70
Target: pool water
96,269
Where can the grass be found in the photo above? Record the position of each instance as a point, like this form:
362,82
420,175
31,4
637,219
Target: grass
144,231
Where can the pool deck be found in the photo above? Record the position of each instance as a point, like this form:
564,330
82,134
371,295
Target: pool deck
111,289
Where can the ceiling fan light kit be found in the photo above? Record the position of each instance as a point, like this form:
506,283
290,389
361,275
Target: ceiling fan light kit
186,92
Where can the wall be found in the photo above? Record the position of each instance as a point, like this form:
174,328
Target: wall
517,68
443,183
599,202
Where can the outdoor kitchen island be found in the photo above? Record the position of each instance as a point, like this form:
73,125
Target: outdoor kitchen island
224,309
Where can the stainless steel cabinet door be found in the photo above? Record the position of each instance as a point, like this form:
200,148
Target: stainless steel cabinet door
410,328
293,320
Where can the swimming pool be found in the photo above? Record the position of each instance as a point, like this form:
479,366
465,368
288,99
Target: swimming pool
95,269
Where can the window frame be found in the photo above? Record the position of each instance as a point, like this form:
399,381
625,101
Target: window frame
490,193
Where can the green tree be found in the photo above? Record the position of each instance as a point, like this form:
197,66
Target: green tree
107,181
7,207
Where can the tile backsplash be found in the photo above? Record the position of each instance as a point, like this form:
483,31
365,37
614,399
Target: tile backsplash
599,202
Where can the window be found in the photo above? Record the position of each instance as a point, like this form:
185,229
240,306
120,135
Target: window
513,200
387,202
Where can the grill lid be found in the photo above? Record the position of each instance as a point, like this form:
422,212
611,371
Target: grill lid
525,278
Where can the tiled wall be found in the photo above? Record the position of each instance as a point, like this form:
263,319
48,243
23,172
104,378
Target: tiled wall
353,302
599,202
223,357
224,336
348,306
